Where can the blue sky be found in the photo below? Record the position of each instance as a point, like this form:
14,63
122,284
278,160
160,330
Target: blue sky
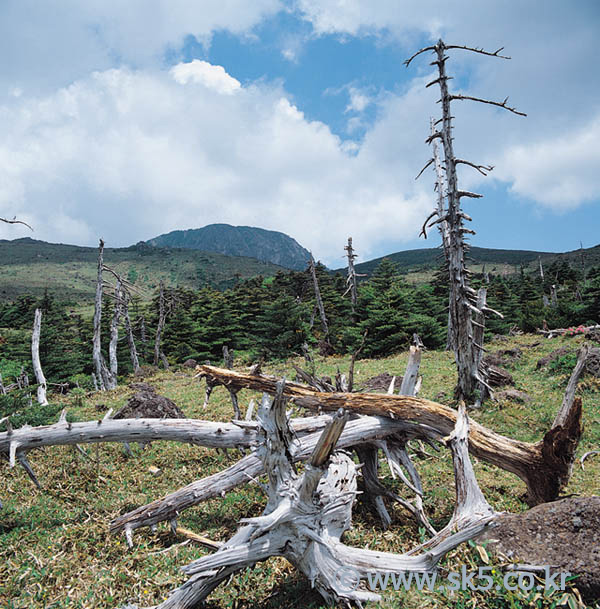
296,116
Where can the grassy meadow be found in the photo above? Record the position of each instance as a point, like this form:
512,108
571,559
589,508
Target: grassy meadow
56,552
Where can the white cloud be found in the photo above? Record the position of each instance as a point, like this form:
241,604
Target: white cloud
202,72
127,155
560,172
55,42
359,100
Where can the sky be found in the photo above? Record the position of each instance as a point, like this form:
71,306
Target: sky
126,120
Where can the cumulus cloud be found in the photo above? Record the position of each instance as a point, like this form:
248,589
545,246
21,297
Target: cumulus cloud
53,43
130,154
202,72
560,172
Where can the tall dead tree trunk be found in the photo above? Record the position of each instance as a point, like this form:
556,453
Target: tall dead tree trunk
351,280
114,331
103,374
35,359
135,362
158,355
319,300
462,296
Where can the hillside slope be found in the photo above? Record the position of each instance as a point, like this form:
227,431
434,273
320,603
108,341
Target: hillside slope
28,266
266,245
495,259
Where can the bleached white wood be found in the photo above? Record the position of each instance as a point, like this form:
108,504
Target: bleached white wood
40,379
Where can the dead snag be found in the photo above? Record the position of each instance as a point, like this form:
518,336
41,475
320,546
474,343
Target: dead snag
158,356
463,298
319,302
40,379
351,279
104,376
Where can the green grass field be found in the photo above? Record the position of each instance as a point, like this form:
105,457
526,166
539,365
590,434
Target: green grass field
56,552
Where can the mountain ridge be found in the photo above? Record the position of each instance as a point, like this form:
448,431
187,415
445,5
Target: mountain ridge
431,258
265,245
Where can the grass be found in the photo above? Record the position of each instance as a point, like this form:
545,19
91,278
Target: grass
56,552
30,267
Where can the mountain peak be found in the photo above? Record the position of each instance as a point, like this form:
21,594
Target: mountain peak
262,244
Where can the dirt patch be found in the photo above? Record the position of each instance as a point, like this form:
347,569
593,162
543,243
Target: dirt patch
145,403
381,382
565,535
503,357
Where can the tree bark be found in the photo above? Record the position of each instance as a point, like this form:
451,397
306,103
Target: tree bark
35,358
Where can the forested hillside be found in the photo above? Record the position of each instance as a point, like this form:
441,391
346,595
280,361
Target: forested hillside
272,317
495,260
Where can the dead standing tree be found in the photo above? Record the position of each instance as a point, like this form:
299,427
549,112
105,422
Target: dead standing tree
463,298
122,297
104,375
325,344
35,358
159,356
351,280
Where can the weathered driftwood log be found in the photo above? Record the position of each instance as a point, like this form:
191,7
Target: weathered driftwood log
537,464
40,379
306,515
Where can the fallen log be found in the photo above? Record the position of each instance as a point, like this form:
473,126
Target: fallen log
306,515
362,430
544,466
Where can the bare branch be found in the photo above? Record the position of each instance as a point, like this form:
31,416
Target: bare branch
488,101
15,221
478,50
429,162
424,50
424,229
466,193
482,169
